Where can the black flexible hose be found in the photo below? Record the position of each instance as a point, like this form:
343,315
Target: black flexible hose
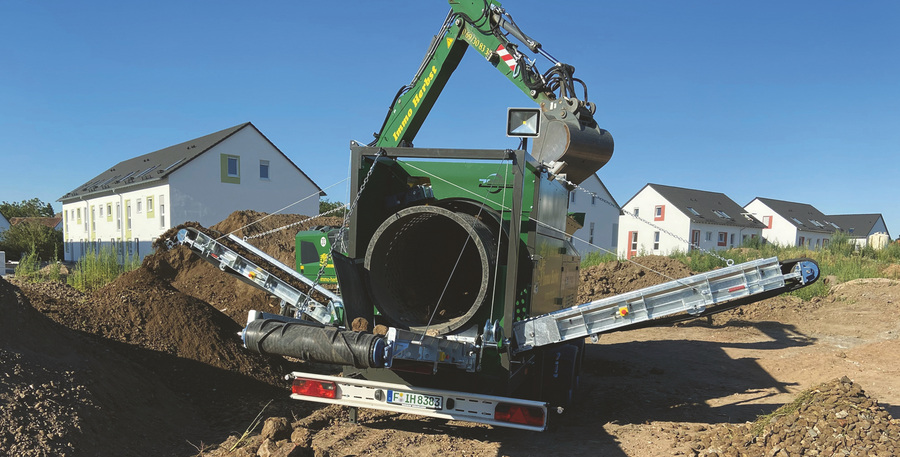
315,343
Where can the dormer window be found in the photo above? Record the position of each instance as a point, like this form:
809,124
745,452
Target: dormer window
721,214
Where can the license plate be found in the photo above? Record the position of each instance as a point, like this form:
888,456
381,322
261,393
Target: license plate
414,400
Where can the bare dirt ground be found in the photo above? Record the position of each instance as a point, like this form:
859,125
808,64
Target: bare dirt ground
152,365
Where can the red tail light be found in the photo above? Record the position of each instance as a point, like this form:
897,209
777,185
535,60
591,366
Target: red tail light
313,388
516,414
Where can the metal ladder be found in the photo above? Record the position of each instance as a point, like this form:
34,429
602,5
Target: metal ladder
323,311
724,288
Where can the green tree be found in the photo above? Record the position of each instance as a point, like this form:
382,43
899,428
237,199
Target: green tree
46,243
326,205
27,208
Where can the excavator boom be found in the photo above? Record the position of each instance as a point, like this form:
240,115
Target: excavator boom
572,142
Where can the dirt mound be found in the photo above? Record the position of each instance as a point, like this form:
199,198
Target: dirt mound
138,351
268,233
612,278
142,309
892,271
835,418
65,393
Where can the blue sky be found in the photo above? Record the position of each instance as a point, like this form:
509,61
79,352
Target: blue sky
796,100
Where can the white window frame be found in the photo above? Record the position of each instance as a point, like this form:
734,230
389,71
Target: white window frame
162,211
237,167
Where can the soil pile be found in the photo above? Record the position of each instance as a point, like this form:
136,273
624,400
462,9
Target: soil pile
613,278
273,234
66,393
129,367
141,309
835,418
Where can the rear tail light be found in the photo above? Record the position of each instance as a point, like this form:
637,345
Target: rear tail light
314,388
517,414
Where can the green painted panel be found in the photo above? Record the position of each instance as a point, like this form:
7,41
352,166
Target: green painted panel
230,178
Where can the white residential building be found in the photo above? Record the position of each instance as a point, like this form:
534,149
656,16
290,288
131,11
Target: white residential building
791,224
202,180
660,220
600,229
860,227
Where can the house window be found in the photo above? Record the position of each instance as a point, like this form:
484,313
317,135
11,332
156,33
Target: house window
721,214
768,221
825,242
572,196
659,213
93,220
118,216
264,169
693,211
591,234
162,212
593,199
637,212
78,220
151,212
101,210
797,221
732,240
655,241
634,244
723,237
140,206
127,215
231,168
708,236
802,240
109,214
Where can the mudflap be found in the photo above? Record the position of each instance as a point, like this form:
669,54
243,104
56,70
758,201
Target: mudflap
353,283
560,373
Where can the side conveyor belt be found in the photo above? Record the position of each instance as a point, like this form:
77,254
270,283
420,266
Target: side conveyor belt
702,294
316,301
